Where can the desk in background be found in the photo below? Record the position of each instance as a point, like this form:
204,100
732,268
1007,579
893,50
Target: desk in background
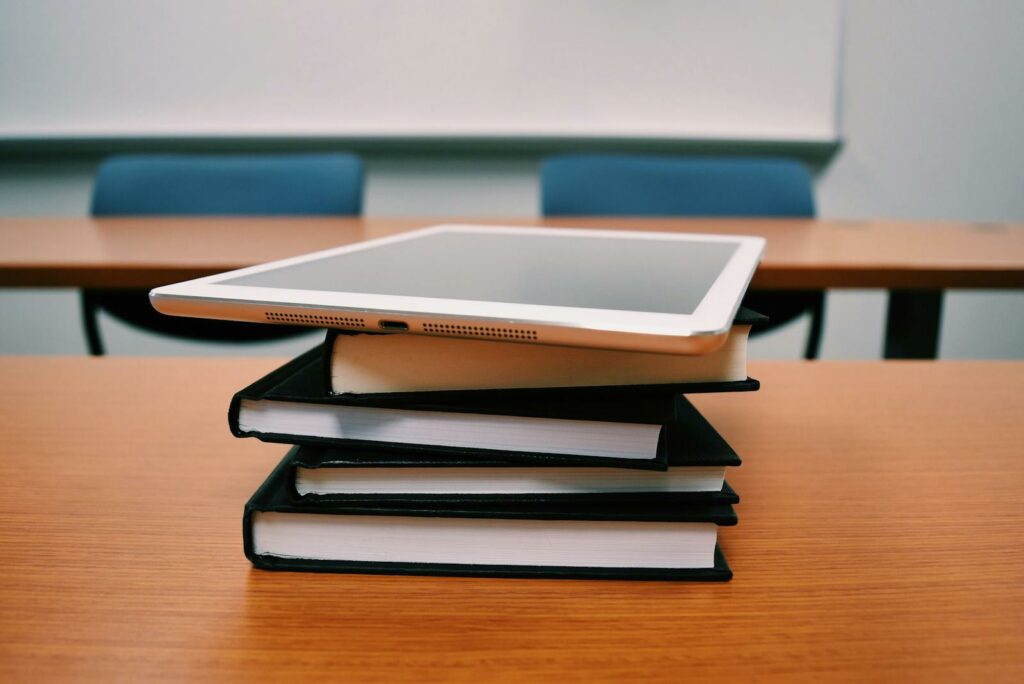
881,535
915,261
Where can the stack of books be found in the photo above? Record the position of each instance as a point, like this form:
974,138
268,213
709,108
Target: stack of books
431,455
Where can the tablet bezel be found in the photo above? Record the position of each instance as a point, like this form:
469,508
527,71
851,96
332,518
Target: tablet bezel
701,331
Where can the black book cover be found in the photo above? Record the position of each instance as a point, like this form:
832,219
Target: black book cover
301,380
692,441
274,495
743,317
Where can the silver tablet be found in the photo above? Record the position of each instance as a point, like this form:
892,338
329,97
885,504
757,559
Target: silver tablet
659,292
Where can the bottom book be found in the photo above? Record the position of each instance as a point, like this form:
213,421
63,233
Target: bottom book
626,540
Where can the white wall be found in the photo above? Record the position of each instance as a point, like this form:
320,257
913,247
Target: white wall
931,116
933,119
398,67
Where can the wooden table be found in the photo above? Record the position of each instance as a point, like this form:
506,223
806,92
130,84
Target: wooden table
881,537
914,260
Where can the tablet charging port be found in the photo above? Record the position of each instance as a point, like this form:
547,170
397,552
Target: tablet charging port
398,326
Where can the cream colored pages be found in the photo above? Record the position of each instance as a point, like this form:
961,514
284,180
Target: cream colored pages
368,364
440,428
494,541
518,480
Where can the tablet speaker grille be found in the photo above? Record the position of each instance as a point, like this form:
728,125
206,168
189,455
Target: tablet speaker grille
486,331
315,319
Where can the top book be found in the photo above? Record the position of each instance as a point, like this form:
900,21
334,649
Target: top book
396,364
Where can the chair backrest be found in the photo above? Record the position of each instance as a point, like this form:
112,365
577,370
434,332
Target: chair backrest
240,185
623,185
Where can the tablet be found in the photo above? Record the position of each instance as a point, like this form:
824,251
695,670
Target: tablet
615,289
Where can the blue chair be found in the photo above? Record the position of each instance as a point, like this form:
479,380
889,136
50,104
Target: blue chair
624,185
205,185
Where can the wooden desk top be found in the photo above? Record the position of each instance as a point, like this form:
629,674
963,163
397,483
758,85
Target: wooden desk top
81,252
881,536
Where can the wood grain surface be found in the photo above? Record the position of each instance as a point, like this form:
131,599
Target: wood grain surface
146,252
881,538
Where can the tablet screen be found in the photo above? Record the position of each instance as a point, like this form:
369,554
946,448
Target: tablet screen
657,276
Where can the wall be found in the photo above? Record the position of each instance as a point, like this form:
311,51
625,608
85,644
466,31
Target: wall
930,114
444,67
933,96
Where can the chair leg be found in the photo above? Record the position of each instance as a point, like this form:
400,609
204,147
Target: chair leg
91,324
814,334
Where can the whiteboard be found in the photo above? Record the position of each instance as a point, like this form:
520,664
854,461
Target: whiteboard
703,69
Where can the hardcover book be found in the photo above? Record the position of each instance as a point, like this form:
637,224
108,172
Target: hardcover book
630,540
637,430
695,470
360,363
